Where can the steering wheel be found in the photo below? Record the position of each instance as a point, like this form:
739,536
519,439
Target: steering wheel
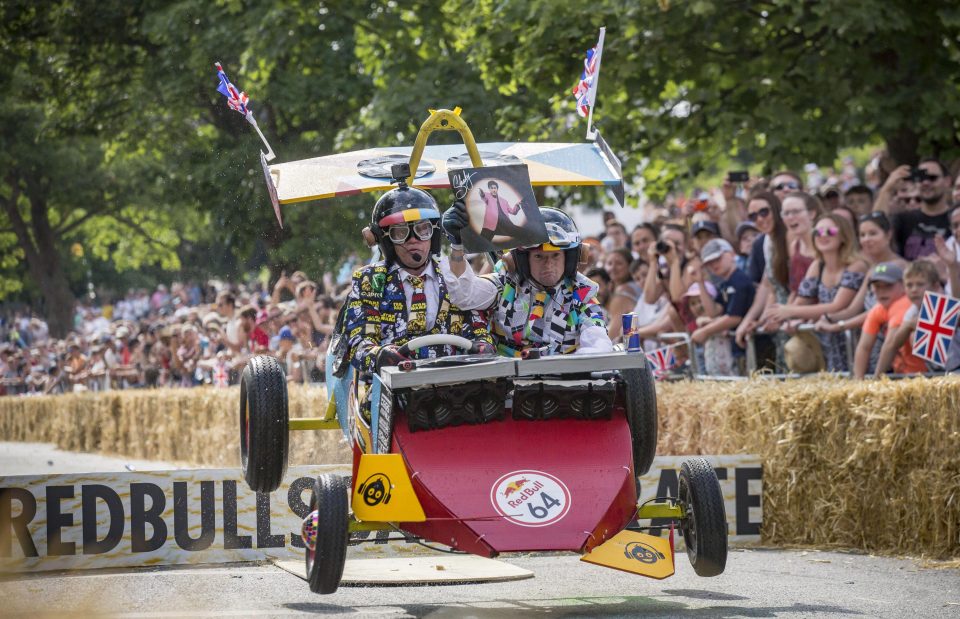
437,339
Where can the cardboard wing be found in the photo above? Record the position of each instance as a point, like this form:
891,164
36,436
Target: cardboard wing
548,164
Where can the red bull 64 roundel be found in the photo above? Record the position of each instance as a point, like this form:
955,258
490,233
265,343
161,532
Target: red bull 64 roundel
530,498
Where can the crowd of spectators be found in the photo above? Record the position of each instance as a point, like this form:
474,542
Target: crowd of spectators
815,273
186,335
802,268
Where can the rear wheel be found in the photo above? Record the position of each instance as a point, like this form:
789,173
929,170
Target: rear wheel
326,559
641,403
704,524
264,423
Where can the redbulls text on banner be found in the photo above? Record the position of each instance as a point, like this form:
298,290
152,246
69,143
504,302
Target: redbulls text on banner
108,520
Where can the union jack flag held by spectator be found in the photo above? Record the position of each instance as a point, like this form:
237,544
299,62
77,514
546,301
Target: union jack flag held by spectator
936,325
662,360
221,378
585,91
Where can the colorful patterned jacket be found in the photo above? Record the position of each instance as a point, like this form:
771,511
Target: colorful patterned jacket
377,316
527,316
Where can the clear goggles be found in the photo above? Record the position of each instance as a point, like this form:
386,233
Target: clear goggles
558,238
399,233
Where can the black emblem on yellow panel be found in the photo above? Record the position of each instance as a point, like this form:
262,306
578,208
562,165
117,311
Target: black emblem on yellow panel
642,552
375,490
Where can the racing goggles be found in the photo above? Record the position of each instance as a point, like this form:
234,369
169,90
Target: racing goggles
423,230
558,239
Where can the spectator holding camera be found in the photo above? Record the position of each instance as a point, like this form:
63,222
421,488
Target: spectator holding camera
914,231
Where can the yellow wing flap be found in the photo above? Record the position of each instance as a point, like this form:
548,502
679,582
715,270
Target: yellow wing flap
632,551
383,491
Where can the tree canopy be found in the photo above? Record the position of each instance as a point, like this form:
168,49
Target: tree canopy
114,137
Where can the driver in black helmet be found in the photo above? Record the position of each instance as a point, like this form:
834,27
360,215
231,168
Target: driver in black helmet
537,298
403,296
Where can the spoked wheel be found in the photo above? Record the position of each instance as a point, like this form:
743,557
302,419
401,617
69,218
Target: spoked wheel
264,423
641,404
329,518
704,523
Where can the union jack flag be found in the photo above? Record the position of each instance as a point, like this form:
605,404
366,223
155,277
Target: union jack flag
585,90
236,99
662,360
221,378
936,326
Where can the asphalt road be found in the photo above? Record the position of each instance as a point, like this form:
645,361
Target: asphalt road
757,583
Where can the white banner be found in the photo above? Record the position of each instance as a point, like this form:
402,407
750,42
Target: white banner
109,520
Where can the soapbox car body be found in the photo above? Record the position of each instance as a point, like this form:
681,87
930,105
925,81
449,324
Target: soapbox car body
483,454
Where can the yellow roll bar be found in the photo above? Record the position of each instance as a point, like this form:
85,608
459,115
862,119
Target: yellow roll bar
443,120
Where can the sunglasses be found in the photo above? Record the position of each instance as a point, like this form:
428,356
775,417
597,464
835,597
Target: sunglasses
793,185
910,199
826,231
423,230
764,212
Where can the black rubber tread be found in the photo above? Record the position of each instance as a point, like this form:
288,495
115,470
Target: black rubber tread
330,498
641,403
263,385
704,525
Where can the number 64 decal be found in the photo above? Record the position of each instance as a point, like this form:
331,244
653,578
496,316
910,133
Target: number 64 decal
539,512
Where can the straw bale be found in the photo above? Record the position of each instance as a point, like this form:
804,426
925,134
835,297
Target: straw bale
871,465
193,426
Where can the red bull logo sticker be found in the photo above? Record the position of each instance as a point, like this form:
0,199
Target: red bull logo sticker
530,498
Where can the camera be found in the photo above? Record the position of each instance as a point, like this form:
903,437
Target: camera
399,172
663,247
738,176
918,175
701,205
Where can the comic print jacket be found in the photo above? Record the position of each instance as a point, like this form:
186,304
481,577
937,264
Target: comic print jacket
520,321
377,315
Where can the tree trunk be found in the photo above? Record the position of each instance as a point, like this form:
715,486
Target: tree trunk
902,146
39,243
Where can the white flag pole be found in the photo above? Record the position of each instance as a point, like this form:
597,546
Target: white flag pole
591,134
253,121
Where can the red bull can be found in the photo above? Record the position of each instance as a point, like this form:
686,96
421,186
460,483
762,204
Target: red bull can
631,332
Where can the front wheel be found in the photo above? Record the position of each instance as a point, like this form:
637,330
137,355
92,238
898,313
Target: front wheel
330,520
264,423
704,523
640,397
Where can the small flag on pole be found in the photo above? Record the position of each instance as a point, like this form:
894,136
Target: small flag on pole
585,91
236,99
239,101
936,326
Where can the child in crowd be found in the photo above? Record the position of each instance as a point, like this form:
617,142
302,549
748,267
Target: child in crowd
886,282
920,277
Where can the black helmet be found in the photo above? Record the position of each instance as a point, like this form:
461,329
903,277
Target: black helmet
403,205
563,235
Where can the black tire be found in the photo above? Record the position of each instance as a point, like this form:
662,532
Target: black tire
325,563
264,423
640,399
704,524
